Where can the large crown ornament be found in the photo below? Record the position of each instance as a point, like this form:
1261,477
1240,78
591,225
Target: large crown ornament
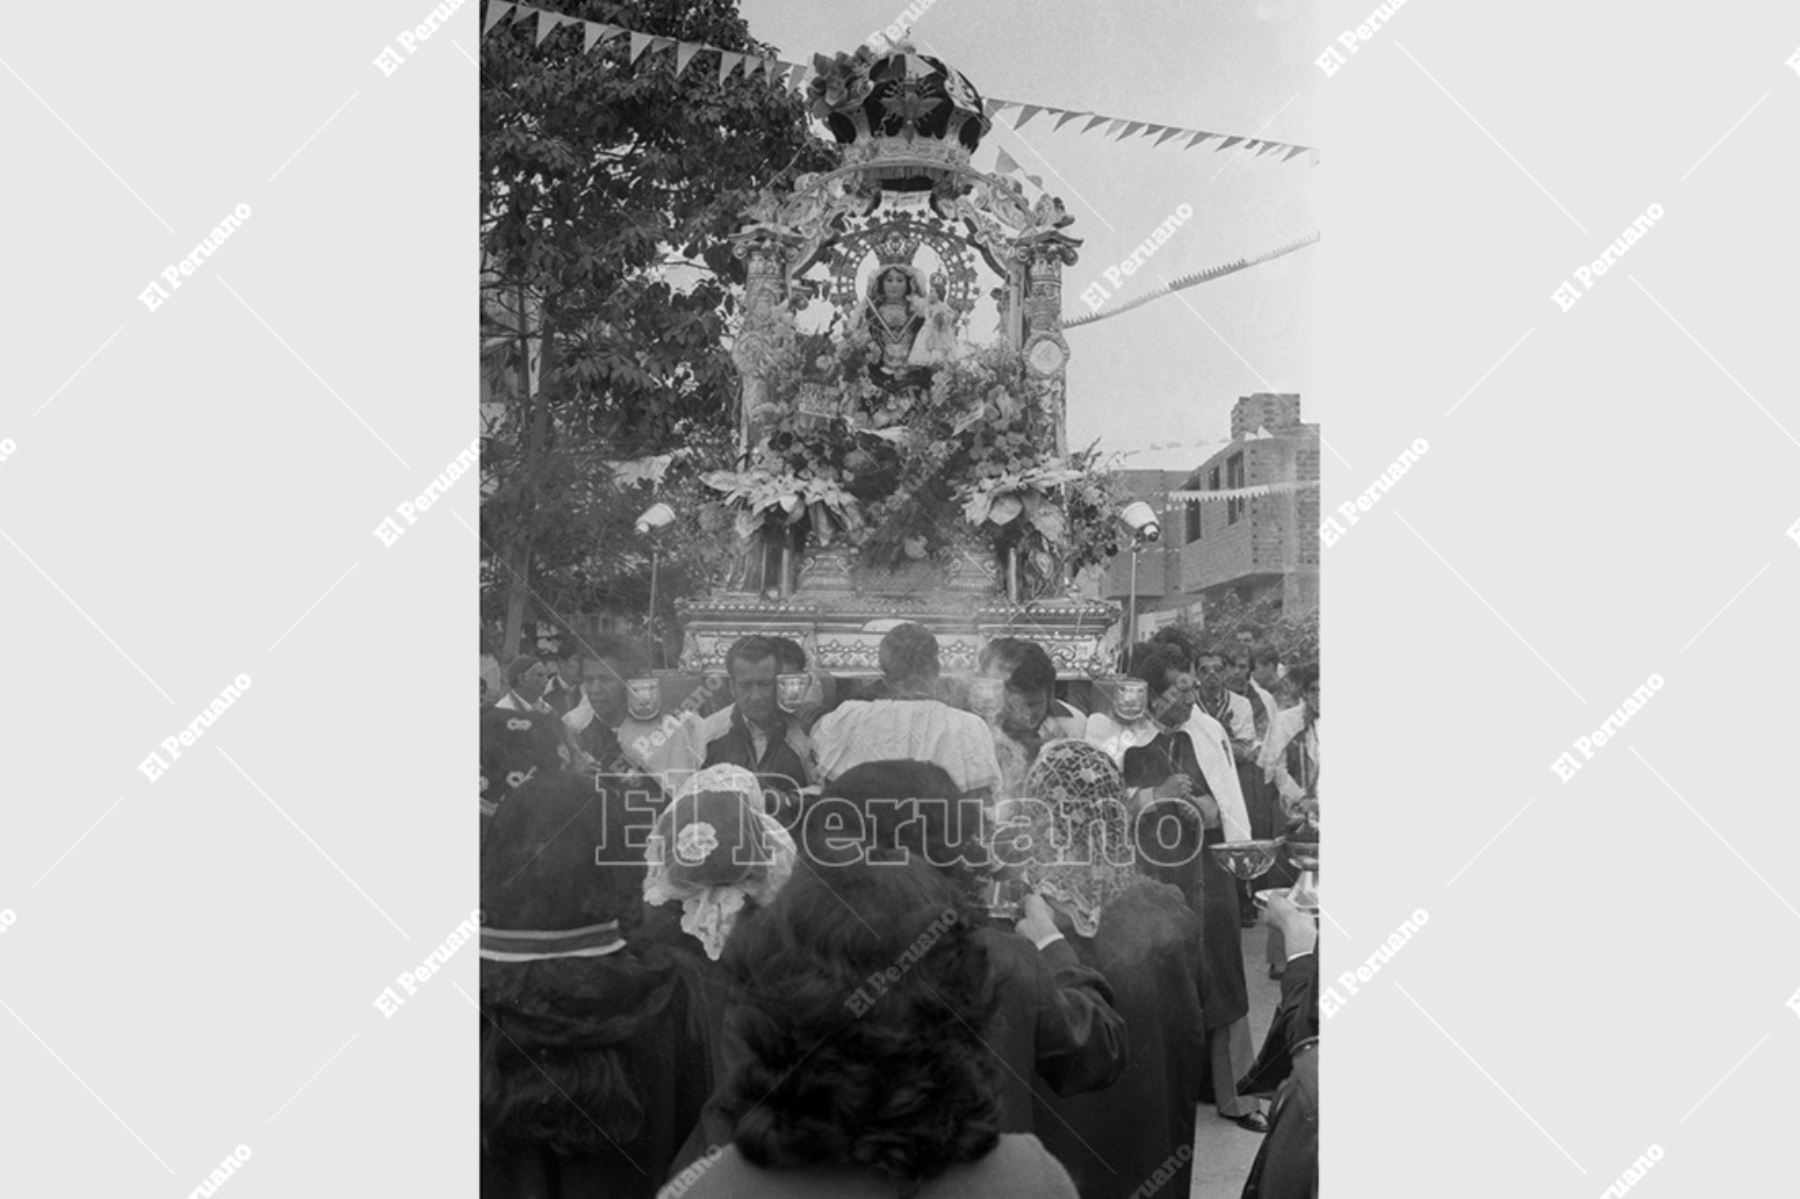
908,119
895,245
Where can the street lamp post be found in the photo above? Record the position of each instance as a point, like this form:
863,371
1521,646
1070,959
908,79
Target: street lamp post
1139,520
655,518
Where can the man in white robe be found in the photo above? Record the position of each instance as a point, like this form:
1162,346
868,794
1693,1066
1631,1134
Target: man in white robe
912,724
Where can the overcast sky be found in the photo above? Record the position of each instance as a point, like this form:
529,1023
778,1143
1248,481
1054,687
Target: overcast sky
1157,374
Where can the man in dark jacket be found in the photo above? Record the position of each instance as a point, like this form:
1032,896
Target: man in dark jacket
1287,1165
760,737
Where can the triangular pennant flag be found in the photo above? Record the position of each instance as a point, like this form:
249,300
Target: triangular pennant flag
591,33
1291,152
640,42
547,21
797,78
1131,130
1037,181
1066,117
1250,145
1266,147
1149,129
728,62
658,45
1097,120
521,11
993,107
1168,133
496,13
684,54
1198,137
1115,126
1228,143
1026,113
1005,163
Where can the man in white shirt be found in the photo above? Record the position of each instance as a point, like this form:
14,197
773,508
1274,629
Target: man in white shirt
1290,755
1265,668
911,724
1030,714
1230,709
526,678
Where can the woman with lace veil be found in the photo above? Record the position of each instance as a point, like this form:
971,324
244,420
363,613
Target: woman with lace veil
714,855
716,851
1078,849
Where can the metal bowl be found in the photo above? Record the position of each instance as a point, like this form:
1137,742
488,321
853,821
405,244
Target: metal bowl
1245,859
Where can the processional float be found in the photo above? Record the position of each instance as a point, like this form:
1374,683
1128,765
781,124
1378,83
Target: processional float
888,468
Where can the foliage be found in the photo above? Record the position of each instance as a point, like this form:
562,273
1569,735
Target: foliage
1294,633
910,472
606,191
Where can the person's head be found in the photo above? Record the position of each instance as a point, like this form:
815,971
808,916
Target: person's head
1081,850
790,655
568,668
912,807
851,1060
752,664
909,659
528,674
605,665
1265,665
1167,678
1184,643
1237,668
1209,673
558,1024
491,675
716,849
1305,680
1030,679
894,284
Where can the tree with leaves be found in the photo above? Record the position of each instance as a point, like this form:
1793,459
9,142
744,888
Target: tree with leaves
607,190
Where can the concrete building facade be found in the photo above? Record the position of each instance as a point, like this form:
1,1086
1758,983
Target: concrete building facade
1259,547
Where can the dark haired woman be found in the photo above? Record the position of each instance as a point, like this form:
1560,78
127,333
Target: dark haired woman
594,1058
858,1004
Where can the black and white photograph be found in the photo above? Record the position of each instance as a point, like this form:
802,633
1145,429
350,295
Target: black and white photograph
882,493
885,459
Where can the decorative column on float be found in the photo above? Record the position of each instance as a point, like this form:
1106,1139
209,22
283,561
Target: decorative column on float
1045,252
1046,353
763,337
767,330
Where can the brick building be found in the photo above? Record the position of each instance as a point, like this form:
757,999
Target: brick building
1257,547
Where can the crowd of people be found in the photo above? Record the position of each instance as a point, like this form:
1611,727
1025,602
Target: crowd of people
765,938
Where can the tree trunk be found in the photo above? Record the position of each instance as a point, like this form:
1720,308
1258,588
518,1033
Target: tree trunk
536,422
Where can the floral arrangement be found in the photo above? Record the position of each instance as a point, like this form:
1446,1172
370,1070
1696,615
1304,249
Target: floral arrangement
915,472
839,82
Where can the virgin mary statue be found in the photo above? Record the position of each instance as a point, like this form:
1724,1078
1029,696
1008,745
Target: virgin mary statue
912,326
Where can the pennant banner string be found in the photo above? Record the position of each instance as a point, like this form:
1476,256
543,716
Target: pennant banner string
791,75
1241,493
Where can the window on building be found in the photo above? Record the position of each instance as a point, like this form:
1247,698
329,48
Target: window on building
1193,522
1234,479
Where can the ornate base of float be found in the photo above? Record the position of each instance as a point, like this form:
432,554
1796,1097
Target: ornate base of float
842,631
